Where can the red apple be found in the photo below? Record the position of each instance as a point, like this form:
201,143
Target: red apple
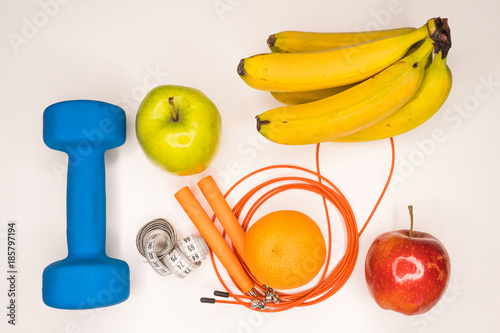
407,271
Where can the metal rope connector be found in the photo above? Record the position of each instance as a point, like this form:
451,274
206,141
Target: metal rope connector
257,303
271,295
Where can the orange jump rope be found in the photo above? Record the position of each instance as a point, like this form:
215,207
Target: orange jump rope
329,283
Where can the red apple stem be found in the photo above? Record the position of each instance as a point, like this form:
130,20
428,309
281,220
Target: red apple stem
410,209
175,115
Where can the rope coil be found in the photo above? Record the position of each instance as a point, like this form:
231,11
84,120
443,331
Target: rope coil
329,282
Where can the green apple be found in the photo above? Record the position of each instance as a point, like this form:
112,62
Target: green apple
178,128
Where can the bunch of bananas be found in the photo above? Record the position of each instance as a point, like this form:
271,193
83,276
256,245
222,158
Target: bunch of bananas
351,87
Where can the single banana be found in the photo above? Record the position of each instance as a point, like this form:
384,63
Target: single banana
301,41
423,105
325,69
351,110
300,97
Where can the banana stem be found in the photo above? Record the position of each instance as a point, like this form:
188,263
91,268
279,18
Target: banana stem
441,36
271,40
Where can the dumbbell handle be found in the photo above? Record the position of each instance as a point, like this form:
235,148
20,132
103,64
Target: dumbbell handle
86,203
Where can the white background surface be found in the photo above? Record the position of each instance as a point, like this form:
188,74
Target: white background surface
115,51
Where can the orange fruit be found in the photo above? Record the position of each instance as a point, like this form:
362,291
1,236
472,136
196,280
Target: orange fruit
284,249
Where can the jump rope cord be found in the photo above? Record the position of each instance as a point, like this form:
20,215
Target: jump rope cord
329,282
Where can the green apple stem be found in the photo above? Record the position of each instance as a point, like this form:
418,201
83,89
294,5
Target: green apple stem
410,209
175,114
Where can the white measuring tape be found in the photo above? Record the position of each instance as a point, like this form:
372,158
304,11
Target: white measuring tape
156,241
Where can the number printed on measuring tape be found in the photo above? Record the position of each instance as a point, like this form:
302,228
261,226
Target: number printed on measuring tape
195,257
178,263
191,248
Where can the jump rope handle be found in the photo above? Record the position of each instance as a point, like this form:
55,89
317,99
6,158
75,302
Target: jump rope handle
224,213
207,229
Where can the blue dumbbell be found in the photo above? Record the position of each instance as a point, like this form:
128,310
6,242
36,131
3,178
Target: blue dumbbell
87,277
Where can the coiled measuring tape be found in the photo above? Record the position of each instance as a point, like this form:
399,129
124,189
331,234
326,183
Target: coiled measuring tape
156,241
